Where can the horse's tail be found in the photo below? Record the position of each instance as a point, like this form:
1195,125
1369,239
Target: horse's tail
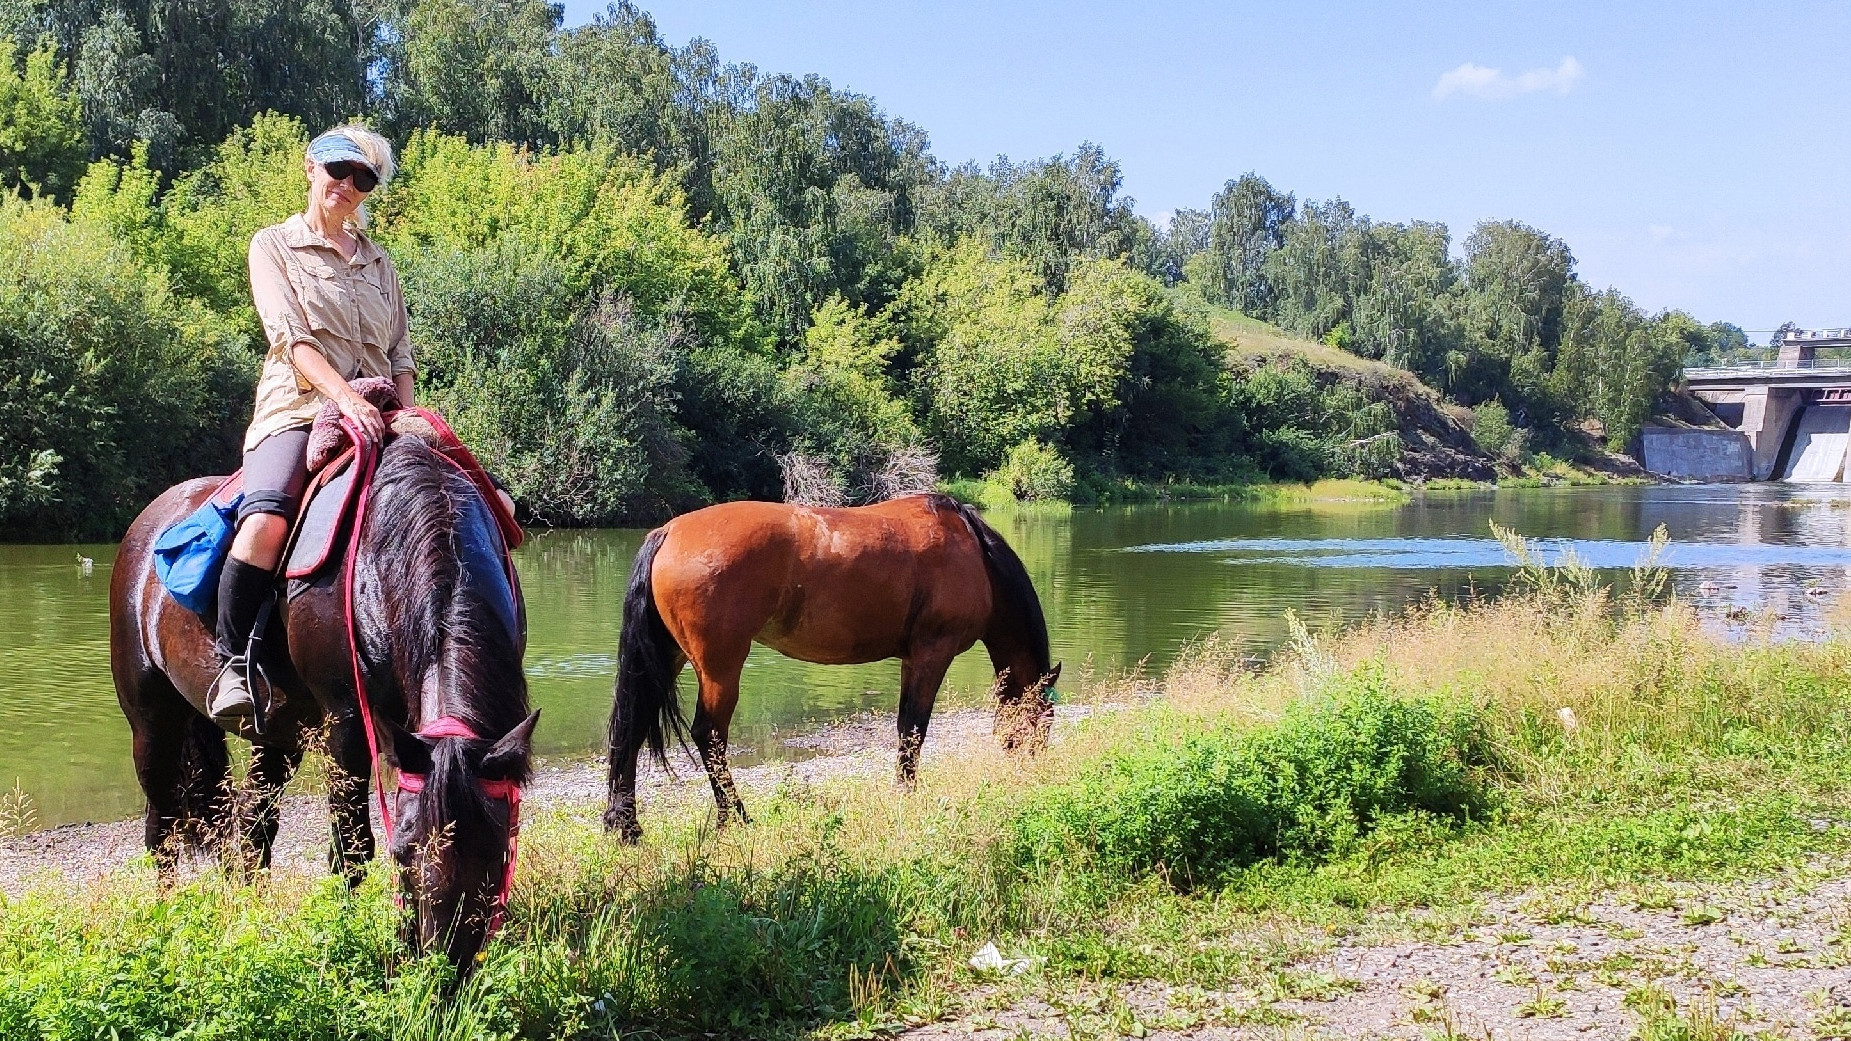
646,709
1012,587
205,781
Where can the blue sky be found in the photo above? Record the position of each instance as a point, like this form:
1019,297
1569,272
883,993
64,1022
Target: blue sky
1696,155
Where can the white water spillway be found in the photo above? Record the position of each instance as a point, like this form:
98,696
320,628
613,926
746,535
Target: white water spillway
1819,444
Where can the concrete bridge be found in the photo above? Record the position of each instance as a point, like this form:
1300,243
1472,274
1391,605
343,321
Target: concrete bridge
1786,419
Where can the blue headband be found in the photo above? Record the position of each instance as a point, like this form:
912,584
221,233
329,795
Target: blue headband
330,148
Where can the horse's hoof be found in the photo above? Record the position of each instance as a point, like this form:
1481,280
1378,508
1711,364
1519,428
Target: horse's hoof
627,830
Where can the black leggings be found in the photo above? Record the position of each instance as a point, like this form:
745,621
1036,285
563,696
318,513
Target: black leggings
275,472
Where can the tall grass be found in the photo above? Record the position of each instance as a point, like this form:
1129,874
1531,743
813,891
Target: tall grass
1422,760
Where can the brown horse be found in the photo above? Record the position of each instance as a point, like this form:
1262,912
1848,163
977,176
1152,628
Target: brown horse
920,579
440,632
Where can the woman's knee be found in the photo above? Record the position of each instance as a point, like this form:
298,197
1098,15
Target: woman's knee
260,539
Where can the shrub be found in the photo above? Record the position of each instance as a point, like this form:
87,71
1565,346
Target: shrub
1198,807
111,386
573,407
1492,429
1034,471
1106,367
853,426
589,339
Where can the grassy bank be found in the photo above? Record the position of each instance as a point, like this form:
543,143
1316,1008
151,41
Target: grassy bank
1570,737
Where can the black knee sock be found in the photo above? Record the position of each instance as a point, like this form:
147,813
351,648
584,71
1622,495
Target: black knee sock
243,589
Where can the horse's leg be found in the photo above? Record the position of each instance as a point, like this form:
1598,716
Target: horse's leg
921,673
620,812
158,735
347,809
713,716
271,768
627,736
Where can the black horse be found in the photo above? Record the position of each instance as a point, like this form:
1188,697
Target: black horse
438,622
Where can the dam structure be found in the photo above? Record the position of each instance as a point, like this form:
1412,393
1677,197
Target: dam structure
1783,419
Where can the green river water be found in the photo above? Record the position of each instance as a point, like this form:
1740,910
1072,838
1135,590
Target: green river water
1120,585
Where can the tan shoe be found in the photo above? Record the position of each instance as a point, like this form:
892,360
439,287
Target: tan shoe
231,696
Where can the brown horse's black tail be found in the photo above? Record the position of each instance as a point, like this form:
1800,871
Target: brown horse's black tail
1013,588
646,710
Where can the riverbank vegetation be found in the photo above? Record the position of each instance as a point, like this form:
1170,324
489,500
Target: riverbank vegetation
644,279
1210,830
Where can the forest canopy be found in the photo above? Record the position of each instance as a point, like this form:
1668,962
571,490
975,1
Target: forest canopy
643,278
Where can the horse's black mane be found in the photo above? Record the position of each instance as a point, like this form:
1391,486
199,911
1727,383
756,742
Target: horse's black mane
425,619
1013,585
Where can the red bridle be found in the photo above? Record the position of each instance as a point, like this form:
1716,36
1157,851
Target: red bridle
450,726
366,460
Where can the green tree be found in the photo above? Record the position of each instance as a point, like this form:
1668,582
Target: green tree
1050,213
573,405
1186,237
813,188
1108,371
179,75
1616,362
41,123
1406,313
841,381
1247,222
1516,286
592,281
481,70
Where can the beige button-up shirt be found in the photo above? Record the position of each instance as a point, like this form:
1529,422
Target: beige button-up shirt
306,291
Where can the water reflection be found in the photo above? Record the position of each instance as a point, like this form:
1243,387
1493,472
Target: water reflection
1119,585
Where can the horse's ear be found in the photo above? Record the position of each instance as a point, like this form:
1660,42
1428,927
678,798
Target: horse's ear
1053,676
408,753
510,755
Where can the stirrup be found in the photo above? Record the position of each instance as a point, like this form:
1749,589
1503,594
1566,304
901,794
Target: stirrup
224,706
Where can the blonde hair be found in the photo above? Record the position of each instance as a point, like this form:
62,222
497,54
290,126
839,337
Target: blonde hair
378,152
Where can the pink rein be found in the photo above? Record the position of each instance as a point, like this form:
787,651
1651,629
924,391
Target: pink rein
450,726
366,461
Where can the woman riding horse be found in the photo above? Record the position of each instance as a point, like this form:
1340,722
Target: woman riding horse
416,642
333,311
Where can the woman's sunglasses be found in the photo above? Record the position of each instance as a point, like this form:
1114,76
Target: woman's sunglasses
364,179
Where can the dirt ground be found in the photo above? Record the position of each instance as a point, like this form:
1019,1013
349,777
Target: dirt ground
1770,958
1767,959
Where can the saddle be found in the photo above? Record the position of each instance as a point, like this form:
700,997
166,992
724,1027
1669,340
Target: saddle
318,532
328,503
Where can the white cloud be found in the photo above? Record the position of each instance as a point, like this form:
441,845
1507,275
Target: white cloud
1478,81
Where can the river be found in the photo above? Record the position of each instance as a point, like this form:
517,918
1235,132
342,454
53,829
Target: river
1120,585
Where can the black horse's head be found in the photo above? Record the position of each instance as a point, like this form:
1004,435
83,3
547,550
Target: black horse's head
454,829
440,615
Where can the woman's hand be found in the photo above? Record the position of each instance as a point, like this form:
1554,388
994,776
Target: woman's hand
361,413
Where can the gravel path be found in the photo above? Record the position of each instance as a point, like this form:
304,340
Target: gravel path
1770,959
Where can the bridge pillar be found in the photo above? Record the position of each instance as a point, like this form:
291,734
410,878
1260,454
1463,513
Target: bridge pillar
1766,414
1794,355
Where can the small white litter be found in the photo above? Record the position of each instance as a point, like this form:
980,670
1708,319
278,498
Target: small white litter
989,959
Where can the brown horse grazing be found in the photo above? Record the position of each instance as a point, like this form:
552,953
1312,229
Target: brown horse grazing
920,579
440,630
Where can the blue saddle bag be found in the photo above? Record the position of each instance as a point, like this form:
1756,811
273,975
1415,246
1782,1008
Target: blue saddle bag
190,554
